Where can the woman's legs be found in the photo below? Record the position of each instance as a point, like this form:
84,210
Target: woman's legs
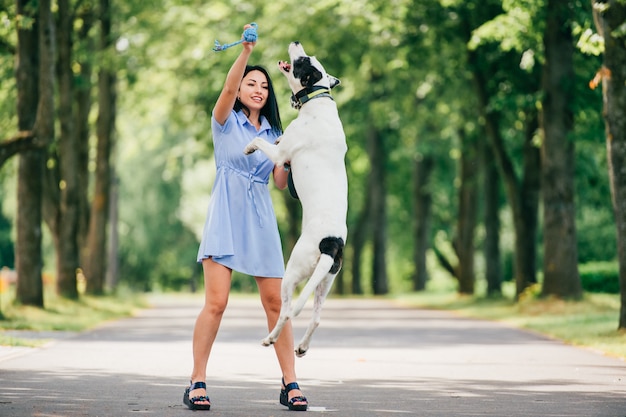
217,287
269,288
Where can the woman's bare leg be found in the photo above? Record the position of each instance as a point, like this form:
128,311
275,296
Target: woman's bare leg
269,288
217,280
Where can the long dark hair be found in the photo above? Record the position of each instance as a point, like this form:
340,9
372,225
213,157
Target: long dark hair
270,110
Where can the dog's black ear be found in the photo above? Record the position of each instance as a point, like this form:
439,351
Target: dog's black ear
311,77
305,72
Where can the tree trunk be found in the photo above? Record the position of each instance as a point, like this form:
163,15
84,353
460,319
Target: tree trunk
422,203
560,266
82,98
530,190
608,23
112,255
35,109
468,203
29,260
493,271
380,284
358,238
96,261
67,238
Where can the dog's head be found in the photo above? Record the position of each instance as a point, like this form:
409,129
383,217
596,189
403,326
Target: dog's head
305,72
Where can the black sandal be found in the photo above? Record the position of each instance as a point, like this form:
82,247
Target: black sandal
284,398
191,402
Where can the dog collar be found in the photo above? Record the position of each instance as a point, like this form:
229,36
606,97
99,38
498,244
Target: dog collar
304,95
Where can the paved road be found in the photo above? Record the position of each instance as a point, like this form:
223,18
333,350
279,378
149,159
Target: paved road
368,358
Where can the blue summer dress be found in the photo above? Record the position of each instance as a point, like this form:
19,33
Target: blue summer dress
241,231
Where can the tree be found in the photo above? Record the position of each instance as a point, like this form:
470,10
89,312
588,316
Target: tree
560,265
28,254
491,70
35,80
63,197
378,211
468,207
85,17
610,17
491,181
95,262
422,194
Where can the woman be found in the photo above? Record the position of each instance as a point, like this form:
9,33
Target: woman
240,232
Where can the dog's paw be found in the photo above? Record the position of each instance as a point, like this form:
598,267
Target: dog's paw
249,149
300,351
267,341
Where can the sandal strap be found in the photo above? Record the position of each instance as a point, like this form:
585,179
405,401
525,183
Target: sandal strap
298,399
197,385
200,398
292,386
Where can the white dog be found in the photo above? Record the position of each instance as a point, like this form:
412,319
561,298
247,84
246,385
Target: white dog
315,146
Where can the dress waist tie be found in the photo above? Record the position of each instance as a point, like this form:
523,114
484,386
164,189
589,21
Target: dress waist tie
251,180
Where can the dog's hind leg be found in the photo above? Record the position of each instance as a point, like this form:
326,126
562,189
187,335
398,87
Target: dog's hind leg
321,270
321,292
288,287
296,272
321,281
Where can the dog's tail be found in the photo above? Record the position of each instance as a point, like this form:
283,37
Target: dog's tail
329,263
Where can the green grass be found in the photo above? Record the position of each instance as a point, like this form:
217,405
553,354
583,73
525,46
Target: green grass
591,322
60,314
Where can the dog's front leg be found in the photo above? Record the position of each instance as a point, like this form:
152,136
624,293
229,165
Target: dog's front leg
272,151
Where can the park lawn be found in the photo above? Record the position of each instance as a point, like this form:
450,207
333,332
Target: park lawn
62,314
591,322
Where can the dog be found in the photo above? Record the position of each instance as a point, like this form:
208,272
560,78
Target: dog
314,145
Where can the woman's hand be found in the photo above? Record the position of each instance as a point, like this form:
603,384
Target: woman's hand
280,177
248,46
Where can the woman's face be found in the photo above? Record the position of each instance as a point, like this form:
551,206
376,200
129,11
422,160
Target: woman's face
254,90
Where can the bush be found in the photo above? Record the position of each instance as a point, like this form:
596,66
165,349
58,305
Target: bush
600,277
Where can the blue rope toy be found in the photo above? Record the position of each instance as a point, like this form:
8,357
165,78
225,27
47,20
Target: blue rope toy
249,35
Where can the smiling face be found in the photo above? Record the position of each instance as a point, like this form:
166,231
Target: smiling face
254,90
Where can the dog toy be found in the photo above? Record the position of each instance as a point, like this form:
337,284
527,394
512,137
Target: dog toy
249,35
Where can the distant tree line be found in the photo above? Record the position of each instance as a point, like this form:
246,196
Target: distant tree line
474,137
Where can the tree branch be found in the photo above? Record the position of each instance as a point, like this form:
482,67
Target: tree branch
444,262
23,141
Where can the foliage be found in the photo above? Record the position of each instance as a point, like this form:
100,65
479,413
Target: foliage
403,66
62,314
600,277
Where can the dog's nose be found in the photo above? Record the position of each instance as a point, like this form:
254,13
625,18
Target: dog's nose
296,42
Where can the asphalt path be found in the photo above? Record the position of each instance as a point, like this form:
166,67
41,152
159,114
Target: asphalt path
368,358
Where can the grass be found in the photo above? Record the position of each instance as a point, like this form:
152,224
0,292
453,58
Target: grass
591,322
60,314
